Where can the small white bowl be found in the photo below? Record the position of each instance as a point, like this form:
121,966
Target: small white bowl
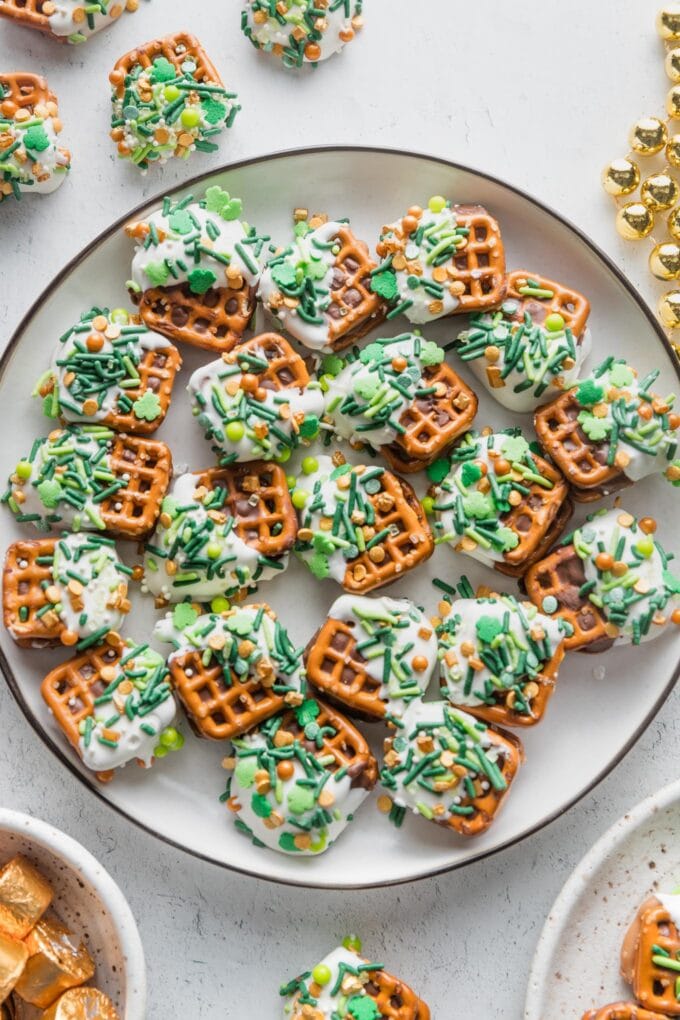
87,900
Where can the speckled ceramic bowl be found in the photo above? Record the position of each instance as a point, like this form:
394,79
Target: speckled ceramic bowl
87,900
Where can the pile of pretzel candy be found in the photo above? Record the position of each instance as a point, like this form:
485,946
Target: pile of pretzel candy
311,438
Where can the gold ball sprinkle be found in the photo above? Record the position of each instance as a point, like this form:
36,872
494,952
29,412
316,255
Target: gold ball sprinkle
634,221
668,22
648,136
669,309
620,177
672,64
659,191
673,101
664,261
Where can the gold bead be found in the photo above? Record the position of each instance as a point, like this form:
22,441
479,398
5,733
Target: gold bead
673,223
669,309
620,177
673,101
673,150
668,22
634,221
672,64
648,136
664,261
659,191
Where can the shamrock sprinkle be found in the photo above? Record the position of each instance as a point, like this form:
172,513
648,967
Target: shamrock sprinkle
201,280
147,407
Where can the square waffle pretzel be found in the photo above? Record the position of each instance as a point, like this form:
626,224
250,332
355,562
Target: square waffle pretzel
217,708
71,689
354,308
338,670
622,1011
394,999
487,803
23,91
285,368
30,14
432,423
175,48
131,512
157,370
347,745
561,575
582,461
411,544
480,266
258,500
22,586
570,304
650,937
214,321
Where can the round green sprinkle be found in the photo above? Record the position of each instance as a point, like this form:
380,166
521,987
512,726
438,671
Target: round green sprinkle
353,943
170,738
171,93
310,465
284,455
219,604
213,550
436,204
645,547
23,469
554,322
291,481
549,604
234,431
160,751
427,504
299,498
321,974
190,117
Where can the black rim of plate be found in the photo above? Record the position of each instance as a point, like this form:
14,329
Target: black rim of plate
197,181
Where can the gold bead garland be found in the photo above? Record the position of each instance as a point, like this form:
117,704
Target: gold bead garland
656,205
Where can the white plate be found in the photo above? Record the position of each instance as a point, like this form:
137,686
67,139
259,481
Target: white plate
576,965
590,723
88,901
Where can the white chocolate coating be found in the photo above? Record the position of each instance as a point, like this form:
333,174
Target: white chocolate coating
331,1003
103,583
271,32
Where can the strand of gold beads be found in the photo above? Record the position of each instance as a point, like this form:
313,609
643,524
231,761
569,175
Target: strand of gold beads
655,140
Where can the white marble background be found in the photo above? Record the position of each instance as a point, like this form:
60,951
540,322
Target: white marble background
539,92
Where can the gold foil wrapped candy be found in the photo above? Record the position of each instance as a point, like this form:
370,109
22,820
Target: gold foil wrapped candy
57,961
82,1004
24,897
13,957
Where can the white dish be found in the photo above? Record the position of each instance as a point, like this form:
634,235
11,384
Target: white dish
88,901
576,964
179,800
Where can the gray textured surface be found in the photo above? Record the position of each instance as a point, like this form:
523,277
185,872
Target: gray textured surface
542,96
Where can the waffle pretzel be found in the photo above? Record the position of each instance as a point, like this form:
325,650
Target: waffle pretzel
546,298
219,702
652,938
36,14
27,99
174,48
622,1011
285,368
215,322
30,595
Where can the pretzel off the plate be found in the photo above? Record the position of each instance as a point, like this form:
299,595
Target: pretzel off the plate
36,14
561,575
27,96
652,939
394,999
432,422
175,49
622,1011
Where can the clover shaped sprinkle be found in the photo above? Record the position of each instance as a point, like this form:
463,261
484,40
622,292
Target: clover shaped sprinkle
147,407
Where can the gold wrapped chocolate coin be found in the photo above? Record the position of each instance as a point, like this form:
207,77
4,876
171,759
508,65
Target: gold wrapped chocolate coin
24,897
659,191
664,261
13,957
620,177
58,961
668,22
648,136
669,309
82,1004
634,221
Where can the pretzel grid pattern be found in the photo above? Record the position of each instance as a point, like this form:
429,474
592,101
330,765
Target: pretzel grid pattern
271,507
23,580
29,13
131,511
25,91
337,669
409,545
564,440
480,266
547,577
285,368
214,321
70,690
654,986
570,304
428,432
175,48
354,309
157,370
347,745
394,999
622,1011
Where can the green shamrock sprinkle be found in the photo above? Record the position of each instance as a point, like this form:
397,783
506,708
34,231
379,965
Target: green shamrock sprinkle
300,799
319,566
214,111
596,429
240,623
287,842
332,364
183,615
260,805
621,375
671,582
589,392
201,280
323,544
361,1007
36,138
284,275
514,448
245,771
50,492
180,222
470,473
508,537
431,353
157,273
367,388
307,712
438,470
477,505
489,627
309,427
163,70
169,505
385,285
147,407
219,201
316,269
373,352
